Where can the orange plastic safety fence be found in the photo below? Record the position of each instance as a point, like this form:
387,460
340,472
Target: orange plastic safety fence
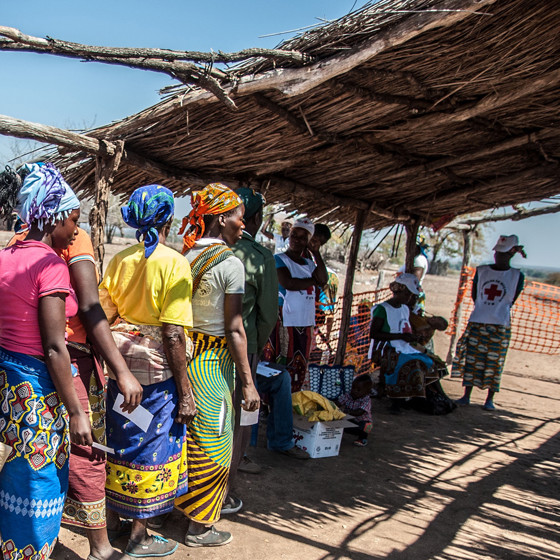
327,334
535,320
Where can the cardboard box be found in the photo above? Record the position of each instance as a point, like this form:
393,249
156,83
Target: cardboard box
319,439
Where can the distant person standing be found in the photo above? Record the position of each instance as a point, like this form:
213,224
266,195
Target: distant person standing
481,351
420,269
282,241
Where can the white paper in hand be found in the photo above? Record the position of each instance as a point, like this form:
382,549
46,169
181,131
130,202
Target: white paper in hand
249,418
102,447
139,416
269,369
222,417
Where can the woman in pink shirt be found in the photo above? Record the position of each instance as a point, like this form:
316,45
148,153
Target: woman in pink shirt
40,412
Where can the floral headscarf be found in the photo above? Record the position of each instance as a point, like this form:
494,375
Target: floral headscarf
148,209
213,199
45,197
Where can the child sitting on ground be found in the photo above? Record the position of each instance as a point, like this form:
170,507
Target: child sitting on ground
357,403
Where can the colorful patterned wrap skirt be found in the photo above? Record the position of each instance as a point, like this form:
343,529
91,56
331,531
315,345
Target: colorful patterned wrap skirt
209,435
405,375
481,354
148,469
34,479
291,346
85,501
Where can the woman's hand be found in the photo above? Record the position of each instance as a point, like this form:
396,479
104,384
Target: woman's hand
187,409
408,337
131,391
314,245
80,429
143,355
251,398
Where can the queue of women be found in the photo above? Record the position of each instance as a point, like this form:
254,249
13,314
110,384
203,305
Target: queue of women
157,434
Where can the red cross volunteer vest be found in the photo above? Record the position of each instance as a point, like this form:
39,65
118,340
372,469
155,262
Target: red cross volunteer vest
494,295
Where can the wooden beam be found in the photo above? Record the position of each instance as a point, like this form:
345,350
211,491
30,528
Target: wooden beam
145,59
493,149
296,81
515,216
52,135
348,295
293,82
105,170
58,46
74,141
413,103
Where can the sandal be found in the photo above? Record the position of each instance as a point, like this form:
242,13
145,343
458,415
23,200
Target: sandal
231,505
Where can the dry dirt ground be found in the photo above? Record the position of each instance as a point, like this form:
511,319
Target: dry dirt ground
469,485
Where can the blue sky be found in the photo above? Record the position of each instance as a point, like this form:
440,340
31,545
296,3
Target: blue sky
71,94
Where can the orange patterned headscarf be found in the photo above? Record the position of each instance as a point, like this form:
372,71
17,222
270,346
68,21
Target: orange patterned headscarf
213,199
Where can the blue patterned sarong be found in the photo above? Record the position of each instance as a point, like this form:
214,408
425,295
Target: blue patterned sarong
34,479
148,469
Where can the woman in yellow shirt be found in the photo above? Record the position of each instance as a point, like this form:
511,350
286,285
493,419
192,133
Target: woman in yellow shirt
146,294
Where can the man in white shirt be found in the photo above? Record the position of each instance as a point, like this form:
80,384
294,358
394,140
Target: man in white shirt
280,241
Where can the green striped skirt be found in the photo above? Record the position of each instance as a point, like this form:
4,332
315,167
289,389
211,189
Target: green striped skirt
209,436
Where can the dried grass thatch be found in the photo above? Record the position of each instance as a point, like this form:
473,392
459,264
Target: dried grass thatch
407,108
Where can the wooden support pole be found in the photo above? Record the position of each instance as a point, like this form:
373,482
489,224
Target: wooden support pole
351,262
105,170
411,227
457,315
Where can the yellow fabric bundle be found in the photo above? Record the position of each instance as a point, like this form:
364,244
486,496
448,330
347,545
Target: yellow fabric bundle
315,407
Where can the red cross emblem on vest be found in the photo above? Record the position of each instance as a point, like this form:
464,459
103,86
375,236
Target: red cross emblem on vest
492,292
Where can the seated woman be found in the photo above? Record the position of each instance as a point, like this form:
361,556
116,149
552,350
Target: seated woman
146,294
405,370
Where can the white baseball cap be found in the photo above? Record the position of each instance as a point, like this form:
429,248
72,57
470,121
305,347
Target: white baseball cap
306,224
506,243
410,281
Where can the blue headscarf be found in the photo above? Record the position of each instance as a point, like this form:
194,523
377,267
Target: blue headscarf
45,197
147,210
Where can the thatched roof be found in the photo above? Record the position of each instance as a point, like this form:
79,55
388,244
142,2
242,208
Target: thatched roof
406,107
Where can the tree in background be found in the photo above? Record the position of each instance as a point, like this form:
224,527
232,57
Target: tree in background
447,244
114,222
